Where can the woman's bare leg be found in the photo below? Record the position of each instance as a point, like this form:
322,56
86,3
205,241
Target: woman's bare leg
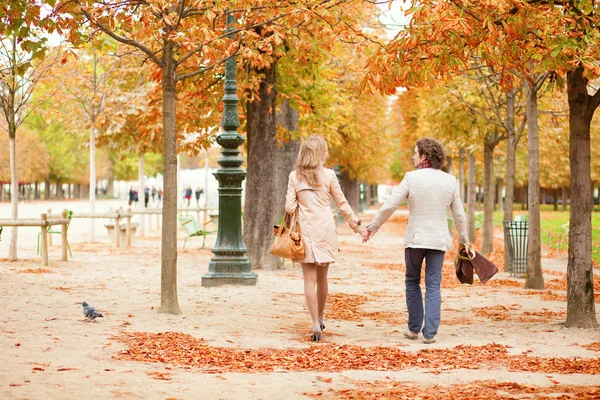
322,290
309,271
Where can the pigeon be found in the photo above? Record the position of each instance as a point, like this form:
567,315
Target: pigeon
90,312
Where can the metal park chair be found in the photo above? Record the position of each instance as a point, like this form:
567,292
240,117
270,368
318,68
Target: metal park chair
192,228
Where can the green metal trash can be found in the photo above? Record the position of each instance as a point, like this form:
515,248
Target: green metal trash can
517,235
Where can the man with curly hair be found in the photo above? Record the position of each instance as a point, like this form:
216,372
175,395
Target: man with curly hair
429,192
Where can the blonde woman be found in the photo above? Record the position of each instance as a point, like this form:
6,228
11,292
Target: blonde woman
310,188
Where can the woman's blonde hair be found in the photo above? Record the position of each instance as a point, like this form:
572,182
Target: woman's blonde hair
310,158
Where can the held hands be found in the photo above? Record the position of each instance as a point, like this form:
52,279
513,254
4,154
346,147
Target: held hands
367,235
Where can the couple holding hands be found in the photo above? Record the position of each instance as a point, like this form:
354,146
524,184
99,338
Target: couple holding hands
429,191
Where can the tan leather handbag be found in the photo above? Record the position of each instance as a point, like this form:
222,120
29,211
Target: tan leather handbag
288,240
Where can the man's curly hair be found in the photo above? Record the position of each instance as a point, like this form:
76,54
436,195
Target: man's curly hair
433,151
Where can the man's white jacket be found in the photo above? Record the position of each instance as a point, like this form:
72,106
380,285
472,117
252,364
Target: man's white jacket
430,192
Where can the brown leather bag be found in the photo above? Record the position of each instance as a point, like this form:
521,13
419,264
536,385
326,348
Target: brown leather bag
468,260
288,240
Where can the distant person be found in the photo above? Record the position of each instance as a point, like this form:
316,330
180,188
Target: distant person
131,196
198,192
429,192
136,197
188,195
153,194
159,193
146,196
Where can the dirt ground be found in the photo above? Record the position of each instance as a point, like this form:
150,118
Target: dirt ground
495,341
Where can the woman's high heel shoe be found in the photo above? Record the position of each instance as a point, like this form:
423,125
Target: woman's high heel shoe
317,334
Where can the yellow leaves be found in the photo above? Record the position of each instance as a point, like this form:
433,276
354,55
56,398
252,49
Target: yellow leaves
211,16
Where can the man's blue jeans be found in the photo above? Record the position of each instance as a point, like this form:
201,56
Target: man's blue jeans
434,259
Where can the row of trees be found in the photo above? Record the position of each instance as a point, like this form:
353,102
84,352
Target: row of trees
510,48
299,63
142,76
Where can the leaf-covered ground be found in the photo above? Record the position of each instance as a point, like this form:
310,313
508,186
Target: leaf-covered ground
496,341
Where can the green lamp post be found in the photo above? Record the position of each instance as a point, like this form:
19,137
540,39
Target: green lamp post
230,266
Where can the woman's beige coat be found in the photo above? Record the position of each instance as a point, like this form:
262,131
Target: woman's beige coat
316,218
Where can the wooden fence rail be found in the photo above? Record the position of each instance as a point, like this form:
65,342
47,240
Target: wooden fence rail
158,211
44,222
117,216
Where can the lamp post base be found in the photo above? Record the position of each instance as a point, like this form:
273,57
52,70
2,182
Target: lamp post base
226,278
229,272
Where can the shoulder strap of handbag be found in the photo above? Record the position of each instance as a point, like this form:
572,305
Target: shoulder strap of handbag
285,218
295,225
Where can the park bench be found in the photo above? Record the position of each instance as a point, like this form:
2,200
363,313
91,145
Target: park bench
117,216
192,228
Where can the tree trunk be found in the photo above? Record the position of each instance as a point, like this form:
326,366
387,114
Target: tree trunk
534,275
449,165
487,245
141,194
564,198
499,198
461,173
471,198
555,199
92,198
511,149
374,198
110,192
262,212
351,190
14,198
1,191
36,191
168,281
59,190
286,153
542,196
581,310
47,189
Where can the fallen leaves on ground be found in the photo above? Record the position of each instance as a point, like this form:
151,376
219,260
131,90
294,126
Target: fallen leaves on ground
490,390
178,348
345,307
35,271
509,313
593,346
163,376
544,295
